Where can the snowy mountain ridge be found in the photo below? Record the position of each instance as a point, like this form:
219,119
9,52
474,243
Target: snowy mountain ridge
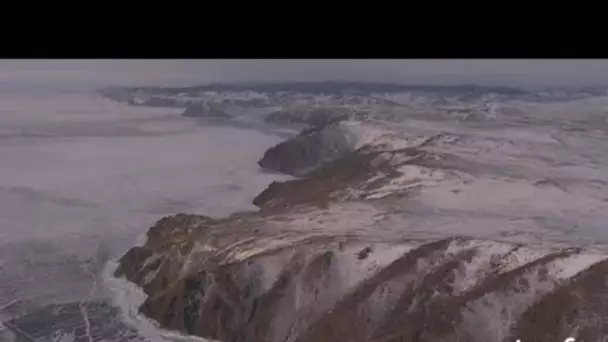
427,214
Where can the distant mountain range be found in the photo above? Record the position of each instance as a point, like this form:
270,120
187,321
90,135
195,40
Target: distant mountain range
335,87
358,89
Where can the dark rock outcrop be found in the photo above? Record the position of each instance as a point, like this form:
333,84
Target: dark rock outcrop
205,110
361,171
354,172
214,280
309,150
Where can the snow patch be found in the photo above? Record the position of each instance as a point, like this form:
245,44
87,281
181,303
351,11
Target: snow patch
353,268
571,266
471,273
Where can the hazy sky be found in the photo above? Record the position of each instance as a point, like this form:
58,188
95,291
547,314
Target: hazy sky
530,72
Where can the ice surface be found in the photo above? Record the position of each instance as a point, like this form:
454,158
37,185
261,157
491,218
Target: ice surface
82,177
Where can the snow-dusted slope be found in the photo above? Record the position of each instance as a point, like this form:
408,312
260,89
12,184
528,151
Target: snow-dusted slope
441,215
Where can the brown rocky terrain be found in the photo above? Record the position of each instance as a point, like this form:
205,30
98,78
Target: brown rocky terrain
353,176
202,280
329,257
309,150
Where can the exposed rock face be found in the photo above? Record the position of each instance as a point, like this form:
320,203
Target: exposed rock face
309,150
340,165
205,110
360,174
313,286
315,116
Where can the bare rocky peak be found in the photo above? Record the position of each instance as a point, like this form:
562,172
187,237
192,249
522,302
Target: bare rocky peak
310,149
363,172
296,282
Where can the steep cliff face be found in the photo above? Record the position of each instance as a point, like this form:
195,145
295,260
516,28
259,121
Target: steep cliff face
283,281
309,150
388,236
368,172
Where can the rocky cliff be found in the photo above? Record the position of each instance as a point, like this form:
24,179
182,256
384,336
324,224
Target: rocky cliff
310,149
309,286
411,234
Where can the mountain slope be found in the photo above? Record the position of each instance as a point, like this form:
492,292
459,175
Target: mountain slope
406,226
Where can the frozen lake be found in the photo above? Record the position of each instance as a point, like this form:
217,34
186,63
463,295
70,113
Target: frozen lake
82,177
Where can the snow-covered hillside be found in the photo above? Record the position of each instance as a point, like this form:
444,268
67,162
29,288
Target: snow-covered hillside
418,213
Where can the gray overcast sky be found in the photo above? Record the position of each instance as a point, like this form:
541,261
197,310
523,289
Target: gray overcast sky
528,72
